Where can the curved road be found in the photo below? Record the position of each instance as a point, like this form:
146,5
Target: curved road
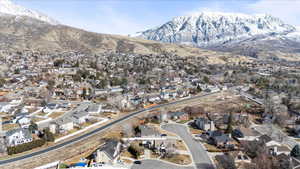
157,164
93,132
200,156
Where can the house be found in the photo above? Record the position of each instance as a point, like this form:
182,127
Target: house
264,139
5,107
204,124
24,121
244,133
80,117
240,157
18,136
154,99
109,152
53,127
3,148
116,89
277,149
178,116
99,92
65,124
94,109
220,139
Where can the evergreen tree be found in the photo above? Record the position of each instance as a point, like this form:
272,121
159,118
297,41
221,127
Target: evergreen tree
296,151
230,123
33,127
48,136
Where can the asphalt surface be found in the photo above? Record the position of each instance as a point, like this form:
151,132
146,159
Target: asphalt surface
200,156
93,132
156,164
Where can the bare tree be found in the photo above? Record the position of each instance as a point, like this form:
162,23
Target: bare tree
116,101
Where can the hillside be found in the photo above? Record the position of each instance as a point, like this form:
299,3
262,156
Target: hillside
24,33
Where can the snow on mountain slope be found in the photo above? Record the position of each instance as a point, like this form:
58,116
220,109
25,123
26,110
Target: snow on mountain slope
211,28
8,7
295,36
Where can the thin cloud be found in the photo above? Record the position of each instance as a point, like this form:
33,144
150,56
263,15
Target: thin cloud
287,10
113,22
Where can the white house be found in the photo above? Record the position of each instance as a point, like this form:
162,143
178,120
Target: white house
277,148
18,136
65,123
109,152
24,121
94,109
80,117
5,107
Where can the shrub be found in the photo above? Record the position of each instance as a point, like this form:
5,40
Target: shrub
134,150
25,147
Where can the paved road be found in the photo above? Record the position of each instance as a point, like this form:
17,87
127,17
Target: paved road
95,131
156,164
200,156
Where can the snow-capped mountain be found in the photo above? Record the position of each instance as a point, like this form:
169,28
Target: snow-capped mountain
8,7
215,28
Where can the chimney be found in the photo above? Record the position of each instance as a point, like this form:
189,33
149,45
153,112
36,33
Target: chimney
212,126
1,127
275,150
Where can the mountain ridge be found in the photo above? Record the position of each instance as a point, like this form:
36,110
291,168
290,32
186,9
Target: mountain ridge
10,8
210,28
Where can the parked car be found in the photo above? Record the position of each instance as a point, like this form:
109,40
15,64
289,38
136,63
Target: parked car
137,162
237,133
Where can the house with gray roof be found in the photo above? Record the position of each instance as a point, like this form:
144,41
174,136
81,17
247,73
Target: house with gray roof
178,116
204,124
18,136
80,117
109,152
65,123
94,109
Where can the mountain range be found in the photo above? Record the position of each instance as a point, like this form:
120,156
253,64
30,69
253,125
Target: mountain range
218,34
252,35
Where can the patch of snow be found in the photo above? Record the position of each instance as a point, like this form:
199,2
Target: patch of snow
8,7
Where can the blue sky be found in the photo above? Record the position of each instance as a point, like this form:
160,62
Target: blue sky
130,16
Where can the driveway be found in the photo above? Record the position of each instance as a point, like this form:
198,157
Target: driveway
200,156
157,164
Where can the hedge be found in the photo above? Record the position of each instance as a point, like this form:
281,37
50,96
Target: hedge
25,147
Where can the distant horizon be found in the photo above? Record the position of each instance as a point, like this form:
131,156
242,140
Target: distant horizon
131,16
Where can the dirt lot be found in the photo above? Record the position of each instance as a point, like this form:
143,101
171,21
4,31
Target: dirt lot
215,102
179,159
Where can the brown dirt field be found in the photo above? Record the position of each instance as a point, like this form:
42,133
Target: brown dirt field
179,159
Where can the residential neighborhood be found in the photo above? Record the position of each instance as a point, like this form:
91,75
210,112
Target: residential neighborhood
149,84
231,128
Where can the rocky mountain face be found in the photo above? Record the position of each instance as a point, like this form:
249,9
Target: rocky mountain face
239,33
8,7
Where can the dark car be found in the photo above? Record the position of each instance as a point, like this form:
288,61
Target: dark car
237,133
137,162
163,135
